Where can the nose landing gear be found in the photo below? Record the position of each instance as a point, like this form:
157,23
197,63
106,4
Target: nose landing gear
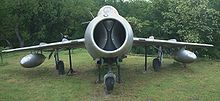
109,81
109,78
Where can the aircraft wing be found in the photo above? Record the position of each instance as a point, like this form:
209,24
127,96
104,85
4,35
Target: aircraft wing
171,42
56,45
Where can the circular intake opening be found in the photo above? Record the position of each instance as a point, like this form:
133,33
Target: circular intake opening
109,34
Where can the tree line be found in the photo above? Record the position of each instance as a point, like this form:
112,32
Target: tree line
29,22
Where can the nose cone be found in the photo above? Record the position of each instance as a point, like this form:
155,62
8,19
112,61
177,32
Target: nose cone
192,56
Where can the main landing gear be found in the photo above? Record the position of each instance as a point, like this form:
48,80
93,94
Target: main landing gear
60,64
157,62
110,78
70,71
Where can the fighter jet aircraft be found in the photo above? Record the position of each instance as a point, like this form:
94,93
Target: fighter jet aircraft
108,39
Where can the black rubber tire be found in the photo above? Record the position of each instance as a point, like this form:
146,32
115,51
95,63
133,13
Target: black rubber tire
60,66
156,64
109,83
57,66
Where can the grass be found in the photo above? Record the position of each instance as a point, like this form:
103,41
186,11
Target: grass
200,81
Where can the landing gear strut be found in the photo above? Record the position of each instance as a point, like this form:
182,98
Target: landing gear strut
119,71
158,61
99,64
70,71
109,78
145,60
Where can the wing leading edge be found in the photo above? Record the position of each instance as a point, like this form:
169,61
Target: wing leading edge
172,42
56,45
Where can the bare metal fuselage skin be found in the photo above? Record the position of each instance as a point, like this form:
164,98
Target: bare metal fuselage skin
108,35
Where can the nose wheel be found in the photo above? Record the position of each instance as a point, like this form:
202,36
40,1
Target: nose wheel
109,78
109,81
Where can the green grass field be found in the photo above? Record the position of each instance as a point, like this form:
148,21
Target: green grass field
200,81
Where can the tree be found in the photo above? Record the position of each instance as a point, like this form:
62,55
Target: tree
185,20
33,21
29,22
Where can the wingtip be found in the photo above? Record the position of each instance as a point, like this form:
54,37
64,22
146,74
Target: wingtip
4,51
206,45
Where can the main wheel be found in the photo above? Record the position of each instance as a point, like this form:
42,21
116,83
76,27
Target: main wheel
156,64
60,66
109,83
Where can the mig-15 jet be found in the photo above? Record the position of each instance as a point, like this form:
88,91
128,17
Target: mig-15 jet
108,39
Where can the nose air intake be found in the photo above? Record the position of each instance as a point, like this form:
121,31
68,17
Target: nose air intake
109,34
